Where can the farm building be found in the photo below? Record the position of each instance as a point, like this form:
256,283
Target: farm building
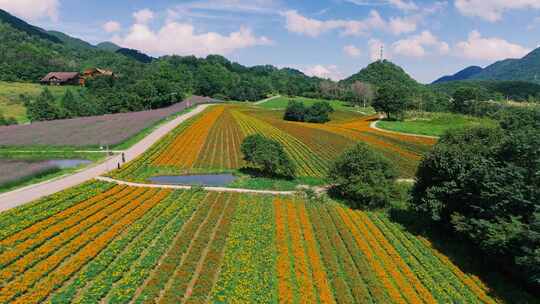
96,72
62,78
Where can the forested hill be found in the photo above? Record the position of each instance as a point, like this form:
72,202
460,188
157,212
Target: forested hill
383,72
461,75
524,69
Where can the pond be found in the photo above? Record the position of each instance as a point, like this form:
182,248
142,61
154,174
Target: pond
68,163
204,179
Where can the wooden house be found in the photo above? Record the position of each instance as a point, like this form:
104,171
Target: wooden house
62,78
97,72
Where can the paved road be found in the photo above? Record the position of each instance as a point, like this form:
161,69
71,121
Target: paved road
27,194
214,189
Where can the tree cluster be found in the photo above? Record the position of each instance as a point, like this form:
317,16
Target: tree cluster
267,155
319,112
484,185
364,177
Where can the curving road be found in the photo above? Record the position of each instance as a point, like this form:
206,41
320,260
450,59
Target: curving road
30,193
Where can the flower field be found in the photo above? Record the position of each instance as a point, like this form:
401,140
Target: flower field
210,142
105,243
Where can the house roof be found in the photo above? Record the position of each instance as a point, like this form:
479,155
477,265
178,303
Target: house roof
61,76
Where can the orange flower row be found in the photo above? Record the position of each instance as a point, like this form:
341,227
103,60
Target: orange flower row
283,264
26,279
48,222
375,264
478,290
92,249
351,255
301,265
319,274
160,276
222,148
177,291
330,259
67,236
185,148
212,262
20,243
361,219
386,261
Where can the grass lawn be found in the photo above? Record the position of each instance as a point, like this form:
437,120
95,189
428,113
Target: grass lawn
281,103
10,102
433,124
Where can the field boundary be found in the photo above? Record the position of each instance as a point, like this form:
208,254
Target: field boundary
182,187
373,125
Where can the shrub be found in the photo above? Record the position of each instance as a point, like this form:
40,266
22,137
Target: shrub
295,111
319,112
363,176
268,155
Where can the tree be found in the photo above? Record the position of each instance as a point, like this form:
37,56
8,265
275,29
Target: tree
319,112
363,92
43,108
268,155
392,100
363,176
483,184
295,111
462,96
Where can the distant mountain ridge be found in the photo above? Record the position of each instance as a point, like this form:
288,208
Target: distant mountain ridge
524,69
21,25
464,74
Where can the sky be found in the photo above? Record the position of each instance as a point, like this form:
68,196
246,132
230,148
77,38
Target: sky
325,38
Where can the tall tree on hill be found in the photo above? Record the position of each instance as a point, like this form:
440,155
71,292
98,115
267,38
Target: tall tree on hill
392,100
363,92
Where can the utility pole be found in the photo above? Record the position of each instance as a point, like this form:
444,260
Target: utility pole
382,53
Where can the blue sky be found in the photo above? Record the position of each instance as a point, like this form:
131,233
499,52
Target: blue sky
327,38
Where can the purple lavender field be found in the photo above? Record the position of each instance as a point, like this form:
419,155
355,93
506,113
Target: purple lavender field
108,129
14,170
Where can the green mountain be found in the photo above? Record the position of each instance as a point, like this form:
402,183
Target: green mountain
135,55
22,26
71,41
524,69
461,75
381,72
108,46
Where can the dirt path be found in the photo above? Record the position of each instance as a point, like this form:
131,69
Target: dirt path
267,99
373,125
30,193
212,189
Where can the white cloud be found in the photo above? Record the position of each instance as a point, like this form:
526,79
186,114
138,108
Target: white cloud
489,49
323,71
352,50
492,10
399,4
112,26
299,24
417,45
32,9
375,46
182,39
250,6
403,25
143,16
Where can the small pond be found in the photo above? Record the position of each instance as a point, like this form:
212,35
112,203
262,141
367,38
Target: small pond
68,163
204,180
